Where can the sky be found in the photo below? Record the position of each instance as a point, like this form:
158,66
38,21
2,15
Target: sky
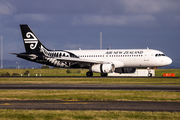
74,24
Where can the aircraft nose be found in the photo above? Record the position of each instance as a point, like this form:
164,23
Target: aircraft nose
168,61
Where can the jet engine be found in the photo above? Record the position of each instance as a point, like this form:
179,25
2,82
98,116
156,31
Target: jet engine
103,68
125,70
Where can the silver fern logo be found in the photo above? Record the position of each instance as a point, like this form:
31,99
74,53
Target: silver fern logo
31,39
51,57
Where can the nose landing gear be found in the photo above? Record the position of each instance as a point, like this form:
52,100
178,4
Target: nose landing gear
149,72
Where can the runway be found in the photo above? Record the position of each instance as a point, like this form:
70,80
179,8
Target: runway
86,77
171,88
91,105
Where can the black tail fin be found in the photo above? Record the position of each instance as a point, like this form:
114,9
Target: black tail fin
31,42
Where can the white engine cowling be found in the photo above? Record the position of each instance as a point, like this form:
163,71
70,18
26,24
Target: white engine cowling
103,68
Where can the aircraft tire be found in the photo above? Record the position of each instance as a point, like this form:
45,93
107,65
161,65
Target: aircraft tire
150,75
104,74
89,74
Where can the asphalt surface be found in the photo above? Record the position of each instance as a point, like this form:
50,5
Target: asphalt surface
85,77
170,88
91,105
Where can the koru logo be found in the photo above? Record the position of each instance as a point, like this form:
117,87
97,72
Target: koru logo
31,39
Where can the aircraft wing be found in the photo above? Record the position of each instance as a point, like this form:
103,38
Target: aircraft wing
85,62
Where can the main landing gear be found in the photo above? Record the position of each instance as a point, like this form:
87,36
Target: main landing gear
90,74
104,74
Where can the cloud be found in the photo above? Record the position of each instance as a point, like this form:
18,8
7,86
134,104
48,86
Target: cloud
31,17
148,6
113,20
6,8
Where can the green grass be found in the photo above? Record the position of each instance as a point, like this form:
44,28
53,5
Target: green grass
90,95
46,72
74,72
85,115
159,72
125,81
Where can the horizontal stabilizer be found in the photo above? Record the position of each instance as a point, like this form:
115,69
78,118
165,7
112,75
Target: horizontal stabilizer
31,56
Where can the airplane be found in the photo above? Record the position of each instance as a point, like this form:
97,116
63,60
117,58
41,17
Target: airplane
97,61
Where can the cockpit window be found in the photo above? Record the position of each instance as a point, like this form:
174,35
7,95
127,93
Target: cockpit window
158,55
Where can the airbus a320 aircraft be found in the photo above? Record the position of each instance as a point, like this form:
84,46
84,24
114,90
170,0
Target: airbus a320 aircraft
98,61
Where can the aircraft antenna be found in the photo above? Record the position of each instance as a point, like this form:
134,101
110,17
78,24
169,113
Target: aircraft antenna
100,40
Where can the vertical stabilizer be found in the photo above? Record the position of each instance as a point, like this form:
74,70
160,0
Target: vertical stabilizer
31,42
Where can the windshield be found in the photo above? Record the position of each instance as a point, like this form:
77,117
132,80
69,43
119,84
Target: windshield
158,55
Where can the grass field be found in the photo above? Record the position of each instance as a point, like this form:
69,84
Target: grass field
90,95
47,72
87,80
85,115
73,72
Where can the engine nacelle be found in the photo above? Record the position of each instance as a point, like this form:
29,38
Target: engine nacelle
103,68
125,70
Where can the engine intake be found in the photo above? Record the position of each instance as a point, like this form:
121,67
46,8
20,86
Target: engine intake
103,68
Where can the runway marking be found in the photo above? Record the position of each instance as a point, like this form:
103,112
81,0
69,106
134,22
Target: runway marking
68,103
5,104
52,103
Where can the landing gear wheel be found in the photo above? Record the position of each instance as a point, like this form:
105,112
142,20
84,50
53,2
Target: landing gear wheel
149,72
150,75
89,74
104,74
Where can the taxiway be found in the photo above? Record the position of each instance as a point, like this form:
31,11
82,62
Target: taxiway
171,88
91,105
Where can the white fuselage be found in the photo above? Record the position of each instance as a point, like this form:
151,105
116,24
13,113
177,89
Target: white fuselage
126,57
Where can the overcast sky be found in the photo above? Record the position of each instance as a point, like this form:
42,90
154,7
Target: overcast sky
74,24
